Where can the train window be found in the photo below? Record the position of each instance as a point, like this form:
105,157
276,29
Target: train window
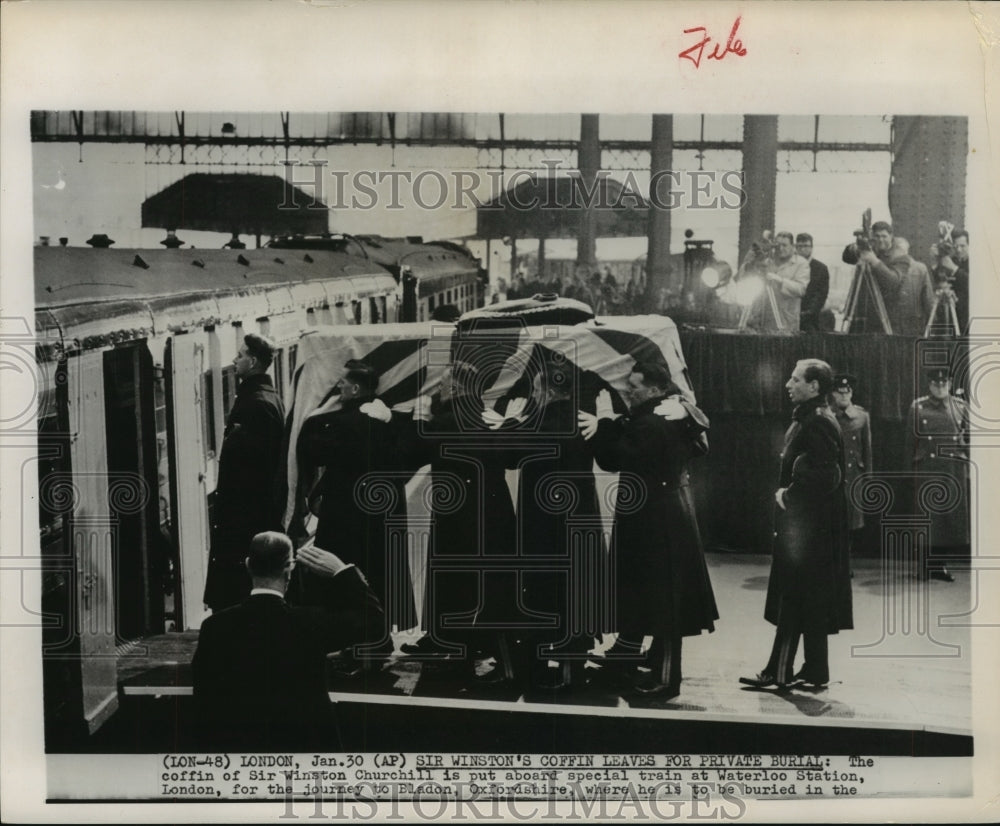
356,308
293,360
208,411
430,303
228,388
448,299
278,365
373,311
311,320
385,309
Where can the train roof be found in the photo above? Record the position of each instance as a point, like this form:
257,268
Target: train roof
75,275
94,297
437,256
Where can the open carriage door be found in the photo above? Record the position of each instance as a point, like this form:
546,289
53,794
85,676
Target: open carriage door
186,360
92,539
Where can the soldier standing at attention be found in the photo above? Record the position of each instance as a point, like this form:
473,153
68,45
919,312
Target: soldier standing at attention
938,444
856,431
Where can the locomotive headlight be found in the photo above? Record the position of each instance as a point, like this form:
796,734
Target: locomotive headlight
710,277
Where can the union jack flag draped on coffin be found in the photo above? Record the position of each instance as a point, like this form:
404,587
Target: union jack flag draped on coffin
410,359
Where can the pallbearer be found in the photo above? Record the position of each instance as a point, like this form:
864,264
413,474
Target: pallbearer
663,588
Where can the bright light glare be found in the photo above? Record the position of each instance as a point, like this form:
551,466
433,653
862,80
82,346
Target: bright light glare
710,277
746,290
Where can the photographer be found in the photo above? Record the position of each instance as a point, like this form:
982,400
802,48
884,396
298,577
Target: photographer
951,273
786,276
904,283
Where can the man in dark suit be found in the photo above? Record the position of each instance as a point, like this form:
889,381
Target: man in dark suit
663,587
809,589
259,669
819,285
248,496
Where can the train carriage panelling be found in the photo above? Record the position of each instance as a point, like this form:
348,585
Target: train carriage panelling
188,363
92,538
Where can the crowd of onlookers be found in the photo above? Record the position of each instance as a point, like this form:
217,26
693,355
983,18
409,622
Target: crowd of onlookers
603,291
780,287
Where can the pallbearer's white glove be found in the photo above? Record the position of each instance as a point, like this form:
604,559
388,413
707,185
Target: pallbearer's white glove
492,419
587,423
515,409
377,410
671,409
422,408
603,406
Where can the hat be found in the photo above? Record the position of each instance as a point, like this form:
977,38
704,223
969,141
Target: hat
844,381
938,374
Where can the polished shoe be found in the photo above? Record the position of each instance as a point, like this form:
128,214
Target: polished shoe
942,574
763,680
804,677
647,684
551,678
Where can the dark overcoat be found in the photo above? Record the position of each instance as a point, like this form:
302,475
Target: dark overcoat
663,585
938,444
556,494
472,513
856,432
248,493
810,563
362,489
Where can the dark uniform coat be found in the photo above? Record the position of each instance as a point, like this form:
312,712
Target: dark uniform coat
938,443
472,513
855,429
259,669
557,493
663,586
361,488
248,496
810,563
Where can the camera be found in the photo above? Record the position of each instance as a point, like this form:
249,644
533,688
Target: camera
944,245
863,236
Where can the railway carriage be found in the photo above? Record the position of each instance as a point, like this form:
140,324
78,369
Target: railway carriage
430,275
135,350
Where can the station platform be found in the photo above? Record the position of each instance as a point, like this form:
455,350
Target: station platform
900,684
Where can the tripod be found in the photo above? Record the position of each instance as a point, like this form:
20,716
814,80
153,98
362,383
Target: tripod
862,279
775,312
946,296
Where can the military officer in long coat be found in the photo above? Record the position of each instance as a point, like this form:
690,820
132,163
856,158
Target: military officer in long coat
472,516
809,589
248,496
361,487
938,444
558,510
663,588
855,430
